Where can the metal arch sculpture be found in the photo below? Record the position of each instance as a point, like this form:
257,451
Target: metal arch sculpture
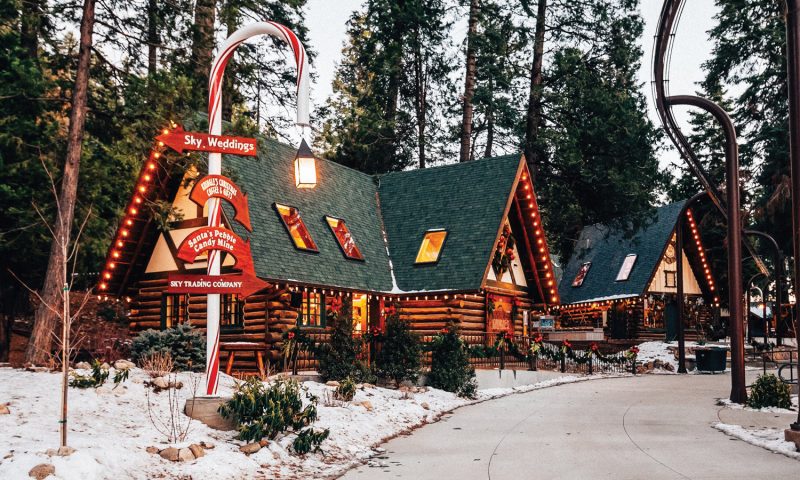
670,13
225,53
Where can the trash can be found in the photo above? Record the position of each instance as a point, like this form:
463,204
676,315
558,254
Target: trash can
711,359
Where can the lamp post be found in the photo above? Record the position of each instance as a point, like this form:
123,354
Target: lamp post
225,53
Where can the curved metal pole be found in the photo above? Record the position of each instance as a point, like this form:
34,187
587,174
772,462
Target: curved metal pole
777,259
793,79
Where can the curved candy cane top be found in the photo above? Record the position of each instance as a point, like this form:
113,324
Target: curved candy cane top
226,51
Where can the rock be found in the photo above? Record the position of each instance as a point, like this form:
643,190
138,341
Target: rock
406,389
185,455
4,409
332,383
197,450
160,382
124,365
65,451
206,410
170,453
102,391
83,366
105,366
425,405
250,448
137,380
152,450
120,390
263,442
206,445
176,385
367,385
42,471
366,404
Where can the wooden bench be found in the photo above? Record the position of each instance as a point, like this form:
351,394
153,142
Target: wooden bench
233,347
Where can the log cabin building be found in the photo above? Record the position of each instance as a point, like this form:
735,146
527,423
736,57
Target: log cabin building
460,243
625,286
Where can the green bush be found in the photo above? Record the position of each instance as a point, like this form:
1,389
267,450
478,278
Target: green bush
346,390
400,356
309,440
769,391
95,379
338,359
450,367
186,345
267,409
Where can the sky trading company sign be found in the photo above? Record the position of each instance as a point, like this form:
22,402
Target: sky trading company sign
244,285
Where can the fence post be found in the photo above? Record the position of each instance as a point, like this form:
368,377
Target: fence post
502,355
591,364
633,365
563,362
532,359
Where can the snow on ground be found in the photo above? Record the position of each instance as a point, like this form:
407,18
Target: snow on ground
652,351
738,406
110,428
770,438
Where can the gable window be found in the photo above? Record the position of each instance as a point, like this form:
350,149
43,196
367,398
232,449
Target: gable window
312,310
627,266
174,309
231,313
581,275
296,227
670,278
345,239
431,248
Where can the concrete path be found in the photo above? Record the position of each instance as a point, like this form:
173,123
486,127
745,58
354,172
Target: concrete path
648,427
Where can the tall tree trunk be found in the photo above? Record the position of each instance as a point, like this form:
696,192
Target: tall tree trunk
420,102
203,46
533,151
45,320
489,126
469,83
152,37
31,26
229,92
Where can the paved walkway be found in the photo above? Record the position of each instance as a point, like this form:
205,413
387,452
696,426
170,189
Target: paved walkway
648,427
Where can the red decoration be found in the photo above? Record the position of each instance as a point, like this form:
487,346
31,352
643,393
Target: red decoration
217,238
336,305
566,344
180,140
538,338
217,186
594,347
244,285
290,335
390,310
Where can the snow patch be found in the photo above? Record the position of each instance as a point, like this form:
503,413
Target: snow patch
769,438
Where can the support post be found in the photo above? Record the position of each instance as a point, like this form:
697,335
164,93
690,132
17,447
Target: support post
793,80
679,273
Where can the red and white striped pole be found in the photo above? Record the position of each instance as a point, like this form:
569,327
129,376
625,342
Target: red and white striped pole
215,159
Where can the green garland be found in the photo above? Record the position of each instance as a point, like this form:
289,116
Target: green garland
580,357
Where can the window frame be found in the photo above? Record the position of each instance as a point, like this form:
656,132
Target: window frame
305,298
315,249
667,275
327,219
236,312
441,248
181,316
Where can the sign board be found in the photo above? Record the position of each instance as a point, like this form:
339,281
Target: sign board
180,140
500,319
217,186
547,322
244,285
217,238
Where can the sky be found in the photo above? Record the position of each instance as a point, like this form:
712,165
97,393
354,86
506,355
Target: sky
326,20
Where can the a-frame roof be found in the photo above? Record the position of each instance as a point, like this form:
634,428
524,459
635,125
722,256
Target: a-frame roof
387,216
606,249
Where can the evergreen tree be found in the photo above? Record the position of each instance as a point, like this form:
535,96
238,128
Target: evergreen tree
601,158
400,356
338,359
450,367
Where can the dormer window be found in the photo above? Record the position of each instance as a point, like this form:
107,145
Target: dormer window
431,248
345,239
297,229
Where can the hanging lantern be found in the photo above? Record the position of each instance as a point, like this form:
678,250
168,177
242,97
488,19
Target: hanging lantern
305,168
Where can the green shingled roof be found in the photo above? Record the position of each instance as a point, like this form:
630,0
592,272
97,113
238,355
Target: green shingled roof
467,199
607,249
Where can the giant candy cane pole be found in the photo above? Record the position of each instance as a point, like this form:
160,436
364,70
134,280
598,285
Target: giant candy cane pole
215,159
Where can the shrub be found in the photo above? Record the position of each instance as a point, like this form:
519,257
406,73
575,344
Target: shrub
338,359
450,367
267,409
309,440
183,343
346,390
95,379
400,355
769,391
